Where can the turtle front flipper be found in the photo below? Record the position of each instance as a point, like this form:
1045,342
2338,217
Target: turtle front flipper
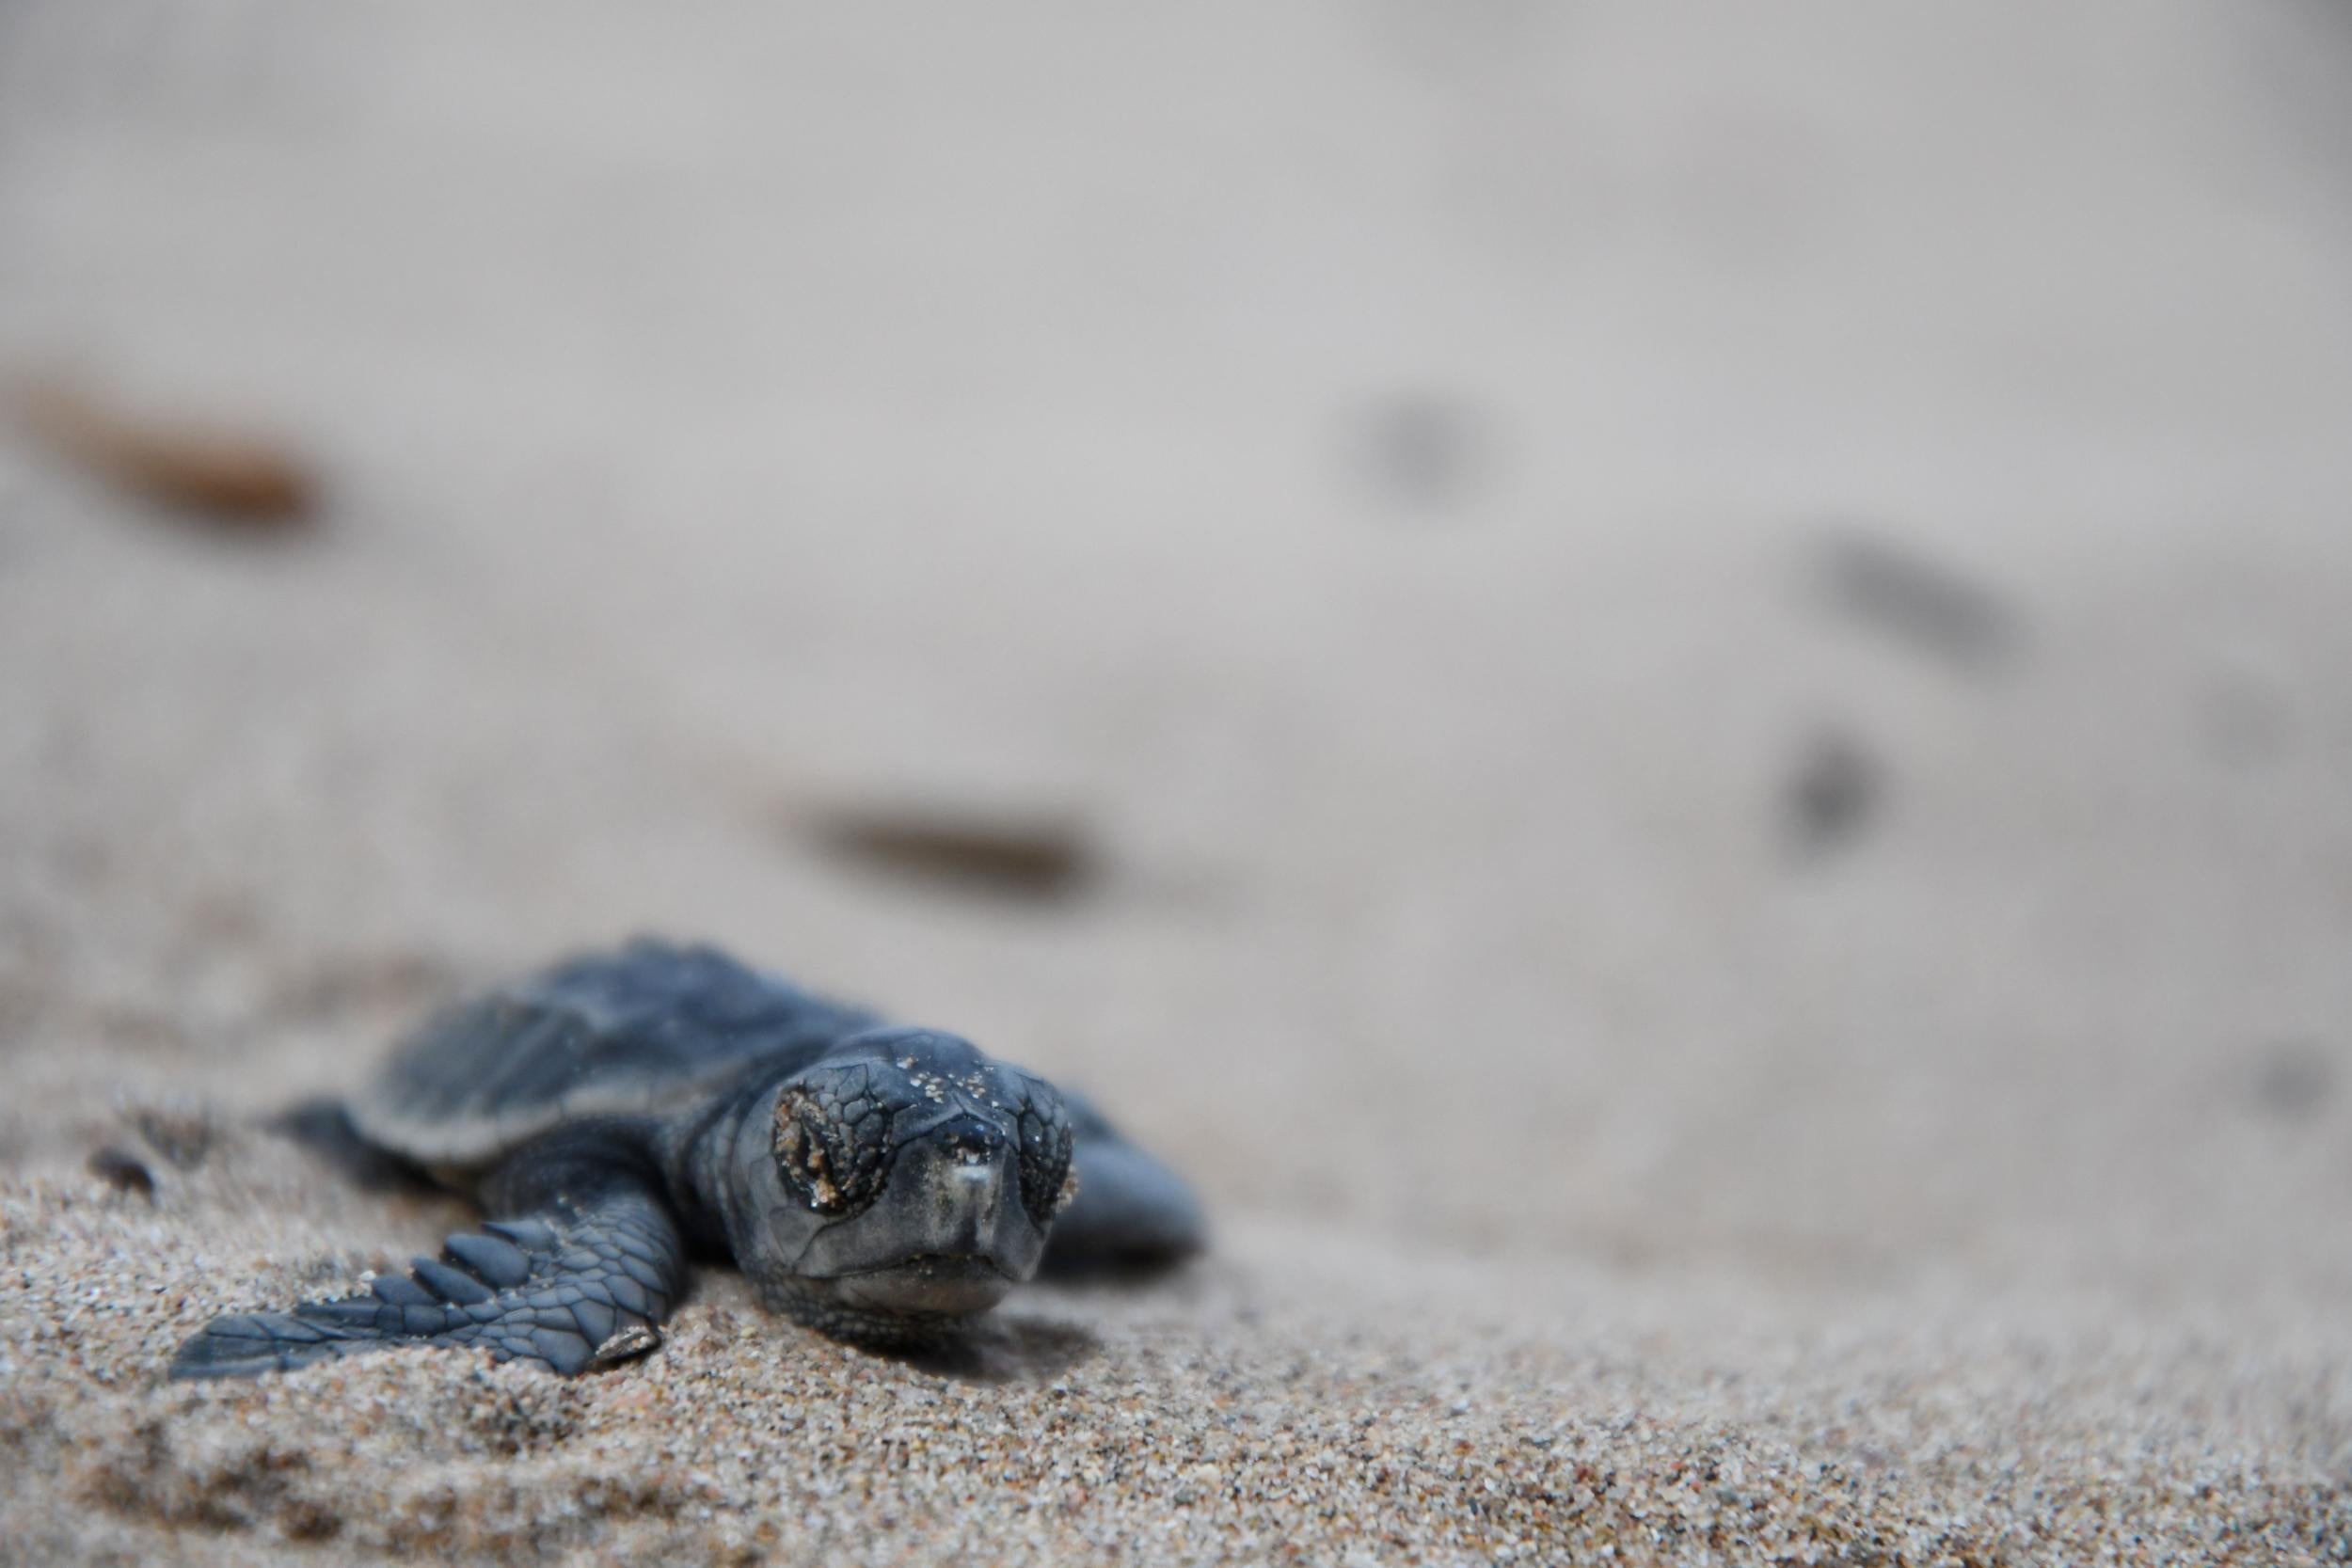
1132,1213
588,1259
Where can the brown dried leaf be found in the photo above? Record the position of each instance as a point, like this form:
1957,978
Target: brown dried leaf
1045,855
125,1172
233,479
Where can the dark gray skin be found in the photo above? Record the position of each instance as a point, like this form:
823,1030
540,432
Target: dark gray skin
621,1112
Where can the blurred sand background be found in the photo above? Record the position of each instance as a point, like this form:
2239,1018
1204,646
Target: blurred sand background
1376,474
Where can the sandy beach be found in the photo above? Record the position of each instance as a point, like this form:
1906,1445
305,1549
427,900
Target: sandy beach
1692,668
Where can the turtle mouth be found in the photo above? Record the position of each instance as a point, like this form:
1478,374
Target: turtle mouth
927,1282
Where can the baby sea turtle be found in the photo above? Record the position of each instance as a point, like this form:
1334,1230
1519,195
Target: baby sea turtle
621,1112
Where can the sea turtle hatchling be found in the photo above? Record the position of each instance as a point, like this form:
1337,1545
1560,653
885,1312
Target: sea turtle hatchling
622,1111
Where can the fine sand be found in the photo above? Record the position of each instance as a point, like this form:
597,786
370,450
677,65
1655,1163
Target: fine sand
1679,688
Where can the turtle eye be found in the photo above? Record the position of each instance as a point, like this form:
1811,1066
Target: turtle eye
823,1160
1047,1181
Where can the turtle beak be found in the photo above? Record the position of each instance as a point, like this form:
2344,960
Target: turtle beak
949,1234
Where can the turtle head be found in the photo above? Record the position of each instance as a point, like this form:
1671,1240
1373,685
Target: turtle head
908,1181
